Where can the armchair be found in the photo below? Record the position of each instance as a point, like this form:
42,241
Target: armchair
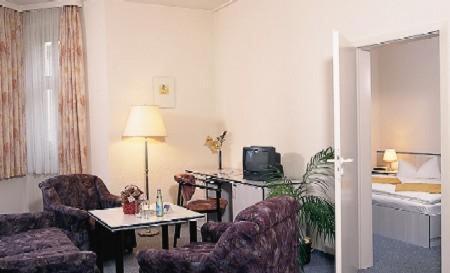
30,243
69,197
262,239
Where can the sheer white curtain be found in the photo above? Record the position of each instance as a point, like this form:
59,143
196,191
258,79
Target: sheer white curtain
41,46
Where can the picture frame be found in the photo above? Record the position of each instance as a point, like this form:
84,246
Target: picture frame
164,93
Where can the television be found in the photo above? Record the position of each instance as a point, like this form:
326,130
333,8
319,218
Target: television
261,163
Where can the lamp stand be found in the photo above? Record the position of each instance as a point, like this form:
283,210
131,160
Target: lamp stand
148,232
146,170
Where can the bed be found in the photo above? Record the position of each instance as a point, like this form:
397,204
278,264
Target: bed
412,217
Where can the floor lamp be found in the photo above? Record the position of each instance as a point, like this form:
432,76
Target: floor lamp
145,121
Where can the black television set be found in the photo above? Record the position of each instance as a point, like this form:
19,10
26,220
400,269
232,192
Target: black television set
261,163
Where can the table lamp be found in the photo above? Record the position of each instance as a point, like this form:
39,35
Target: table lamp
390,156
145,121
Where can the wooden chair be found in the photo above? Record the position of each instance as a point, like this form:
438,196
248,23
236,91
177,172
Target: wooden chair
186,189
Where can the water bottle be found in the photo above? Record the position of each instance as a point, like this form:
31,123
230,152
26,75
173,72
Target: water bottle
159,204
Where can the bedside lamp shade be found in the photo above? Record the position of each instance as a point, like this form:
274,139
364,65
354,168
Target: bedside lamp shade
390,155
145,121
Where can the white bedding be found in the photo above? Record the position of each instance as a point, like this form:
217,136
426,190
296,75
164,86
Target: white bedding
406,205
419,197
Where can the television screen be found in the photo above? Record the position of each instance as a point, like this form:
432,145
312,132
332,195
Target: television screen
257,160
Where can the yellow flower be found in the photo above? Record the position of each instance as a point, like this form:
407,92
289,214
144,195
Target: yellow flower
212,144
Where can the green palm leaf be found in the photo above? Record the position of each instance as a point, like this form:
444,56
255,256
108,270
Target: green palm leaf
316,212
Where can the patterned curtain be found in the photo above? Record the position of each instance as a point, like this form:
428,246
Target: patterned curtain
72,148
12,98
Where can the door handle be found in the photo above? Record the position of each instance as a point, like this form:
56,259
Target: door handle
341,161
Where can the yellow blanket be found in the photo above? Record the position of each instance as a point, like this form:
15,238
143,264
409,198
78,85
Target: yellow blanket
419,187
385,180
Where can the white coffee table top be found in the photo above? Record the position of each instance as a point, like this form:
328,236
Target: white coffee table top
114,219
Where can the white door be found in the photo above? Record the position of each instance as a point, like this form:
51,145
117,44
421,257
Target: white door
346,147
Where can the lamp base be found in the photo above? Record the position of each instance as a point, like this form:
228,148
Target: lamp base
148,233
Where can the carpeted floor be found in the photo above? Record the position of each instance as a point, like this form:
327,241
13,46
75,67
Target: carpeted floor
390,256
320,263
394,256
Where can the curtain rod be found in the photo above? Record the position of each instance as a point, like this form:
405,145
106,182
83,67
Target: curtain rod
45,5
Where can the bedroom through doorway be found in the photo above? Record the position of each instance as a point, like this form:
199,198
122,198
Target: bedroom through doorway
403,79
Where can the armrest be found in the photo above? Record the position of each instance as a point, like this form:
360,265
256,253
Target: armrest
16,223
111,201
174,261
212,231
69,218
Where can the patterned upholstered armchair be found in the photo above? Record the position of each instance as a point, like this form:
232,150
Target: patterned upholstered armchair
31,243
262,239
70,197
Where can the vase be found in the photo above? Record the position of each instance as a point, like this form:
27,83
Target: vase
220,159
129,207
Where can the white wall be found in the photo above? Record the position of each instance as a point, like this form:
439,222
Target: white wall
21,194
405,88
128,44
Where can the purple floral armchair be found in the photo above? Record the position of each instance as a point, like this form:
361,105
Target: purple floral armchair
70,197
262,239
31,243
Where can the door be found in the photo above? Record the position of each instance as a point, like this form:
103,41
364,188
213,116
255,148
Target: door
346,147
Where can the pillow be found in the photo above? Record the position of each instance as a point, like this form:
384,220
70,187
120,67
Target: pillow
430,169
406,169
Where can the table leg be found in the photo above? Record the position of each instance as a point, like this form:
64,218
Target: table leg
193,231
165,236
218,197
98,246
119,251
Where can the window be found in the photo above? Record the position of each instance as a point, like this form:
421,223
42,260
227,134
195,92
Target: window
41,32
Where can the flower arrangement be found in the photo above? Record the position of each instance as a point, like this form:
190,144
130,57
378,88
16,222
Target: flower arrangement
215,145
130,195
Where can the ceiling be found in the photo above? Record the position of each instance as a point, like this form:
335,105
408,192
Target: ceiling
193,4
27,2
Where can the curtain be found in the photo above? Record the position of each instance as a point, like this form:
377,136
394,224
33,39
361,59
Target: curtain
12,99
41,36
72,146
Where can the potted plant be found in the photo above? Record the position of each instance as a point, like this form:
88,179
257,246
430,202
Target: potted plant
316,212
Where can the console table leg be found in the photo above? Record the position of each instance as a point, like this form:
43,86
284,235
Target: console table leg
119,251
193,231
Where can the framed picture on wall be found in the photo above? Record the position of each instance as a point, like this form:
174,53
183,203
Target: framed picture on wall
164,93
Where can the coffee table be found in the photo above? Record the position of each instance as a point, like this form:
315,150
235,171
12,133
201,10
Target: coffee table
115,221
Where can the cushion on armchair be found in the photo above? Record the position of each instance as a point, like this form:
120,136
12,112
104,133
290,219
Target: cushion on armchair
35,241
30,243
178,260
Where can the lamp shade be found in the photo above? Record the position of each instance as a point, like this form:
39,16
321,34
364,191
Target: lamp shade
390,155
145,121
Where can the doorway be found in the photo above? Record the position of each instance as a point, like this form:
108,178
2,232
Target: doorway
399,136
